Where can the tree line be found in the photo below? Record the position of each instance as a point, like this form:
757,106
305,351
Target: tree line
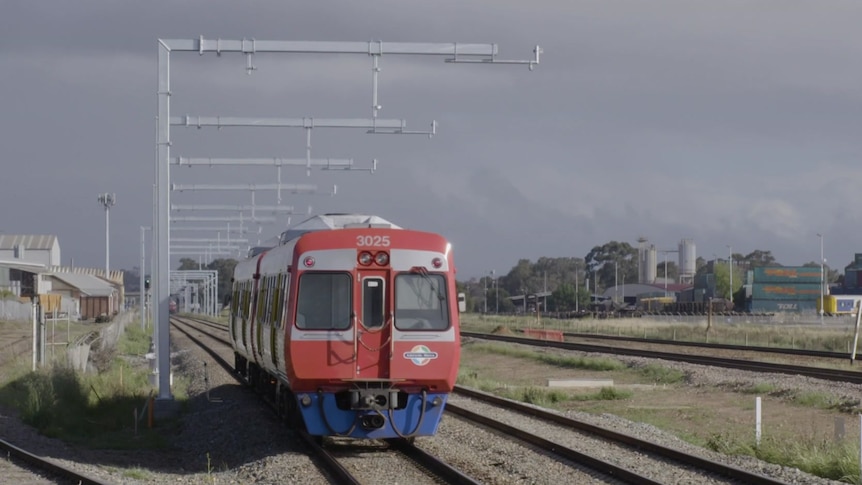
605,266
564,279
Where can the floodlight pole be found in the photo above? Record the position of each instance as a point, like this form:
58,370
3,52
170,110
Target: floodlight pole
107,201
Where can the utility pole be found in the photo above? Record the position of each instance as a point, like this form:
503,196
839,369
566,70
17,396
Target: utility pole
485,282
108,201
496,293
822,279
730,272
576,291
143,287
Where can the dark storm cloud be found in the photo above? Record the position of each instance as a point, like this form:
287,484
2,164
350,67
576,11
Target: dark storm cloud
726,122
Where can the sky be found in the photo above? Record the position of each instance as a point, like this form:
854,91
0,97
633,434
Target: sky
732,123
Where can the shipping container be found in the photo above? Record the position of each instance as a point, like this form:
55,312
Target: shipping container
802,291
94,306
839,304
773,306
786,274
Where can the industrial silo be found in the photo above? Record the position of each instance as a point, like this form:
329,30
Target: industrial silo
687,261
648,265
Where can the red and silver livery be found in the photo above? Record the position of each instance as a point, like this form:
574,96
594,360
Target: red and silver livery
351,326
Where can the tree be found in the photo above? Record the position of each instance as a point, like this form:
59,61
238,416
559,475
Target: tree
223,267
563,298
830,275
132,279
758,258
672,270
613,262
189,264
722,280
699,263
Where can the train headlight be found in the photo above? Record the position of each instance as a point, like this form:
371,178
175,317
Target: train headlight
308,262
364,258
381,258
305,400
437,262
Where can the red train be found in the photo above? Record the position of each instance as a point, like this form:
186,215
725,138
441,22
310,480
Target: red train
350,326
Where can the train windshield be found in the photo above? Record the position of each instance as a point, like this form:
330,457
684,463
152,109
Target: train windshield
420,302
324,301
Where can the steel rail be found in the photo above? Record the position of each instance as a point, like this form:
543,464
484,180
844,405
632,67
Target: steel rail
648,446
48,465
749,365
433,464
709,345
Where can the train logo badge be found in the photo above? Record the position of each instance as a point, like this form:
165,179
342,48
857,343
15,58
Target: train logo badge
420,355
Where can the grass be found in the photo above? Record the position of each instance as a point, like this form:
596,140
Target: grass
807,450
92,409
694,330
836,461
558,360
763,388
135,341
662,375
136,473
537,395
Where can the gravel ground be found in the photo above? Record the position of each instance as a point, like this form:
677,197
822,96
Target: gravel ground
232,438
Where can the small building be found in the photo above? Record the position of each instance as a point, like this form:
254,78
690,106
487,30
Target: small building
95,296
22,258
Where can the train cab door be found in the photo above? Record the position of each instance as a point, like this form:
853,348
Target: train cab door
373,326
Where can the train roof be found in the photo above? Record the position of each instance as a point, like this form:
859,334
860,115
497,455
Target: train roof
326,222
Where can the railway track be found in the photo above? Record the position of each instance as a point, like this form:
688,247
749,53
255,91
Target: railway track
26,468
820,354
837,375
435,469
662,461
698,468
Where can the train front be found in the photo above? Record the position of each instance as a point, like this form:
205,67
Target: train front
374,348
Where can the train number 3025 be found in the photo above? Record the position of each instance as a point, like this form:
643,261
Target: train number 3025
372,241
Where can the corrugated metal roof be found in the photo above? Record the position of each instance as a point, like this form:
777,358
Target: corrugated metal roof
23,266
27,241
88,284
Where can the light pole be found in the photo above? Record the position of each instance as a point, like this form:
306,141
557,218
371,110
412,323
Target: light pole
616,286
496,293
821,278
485,281
107,200
730,272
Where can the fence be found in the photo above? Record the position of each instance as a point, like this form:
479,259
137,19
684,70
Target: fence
78,353
14,310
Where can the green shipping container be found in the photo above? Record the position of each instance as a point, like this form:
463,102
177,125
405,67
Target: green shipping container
786,274
802,291
774,306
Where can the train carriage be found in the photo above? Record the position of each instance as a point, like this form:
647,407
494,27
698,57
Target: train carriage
351,326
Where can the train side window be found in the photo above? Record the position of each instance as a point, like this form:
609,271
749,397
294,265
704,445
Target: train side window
420,302
373,304
324,301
